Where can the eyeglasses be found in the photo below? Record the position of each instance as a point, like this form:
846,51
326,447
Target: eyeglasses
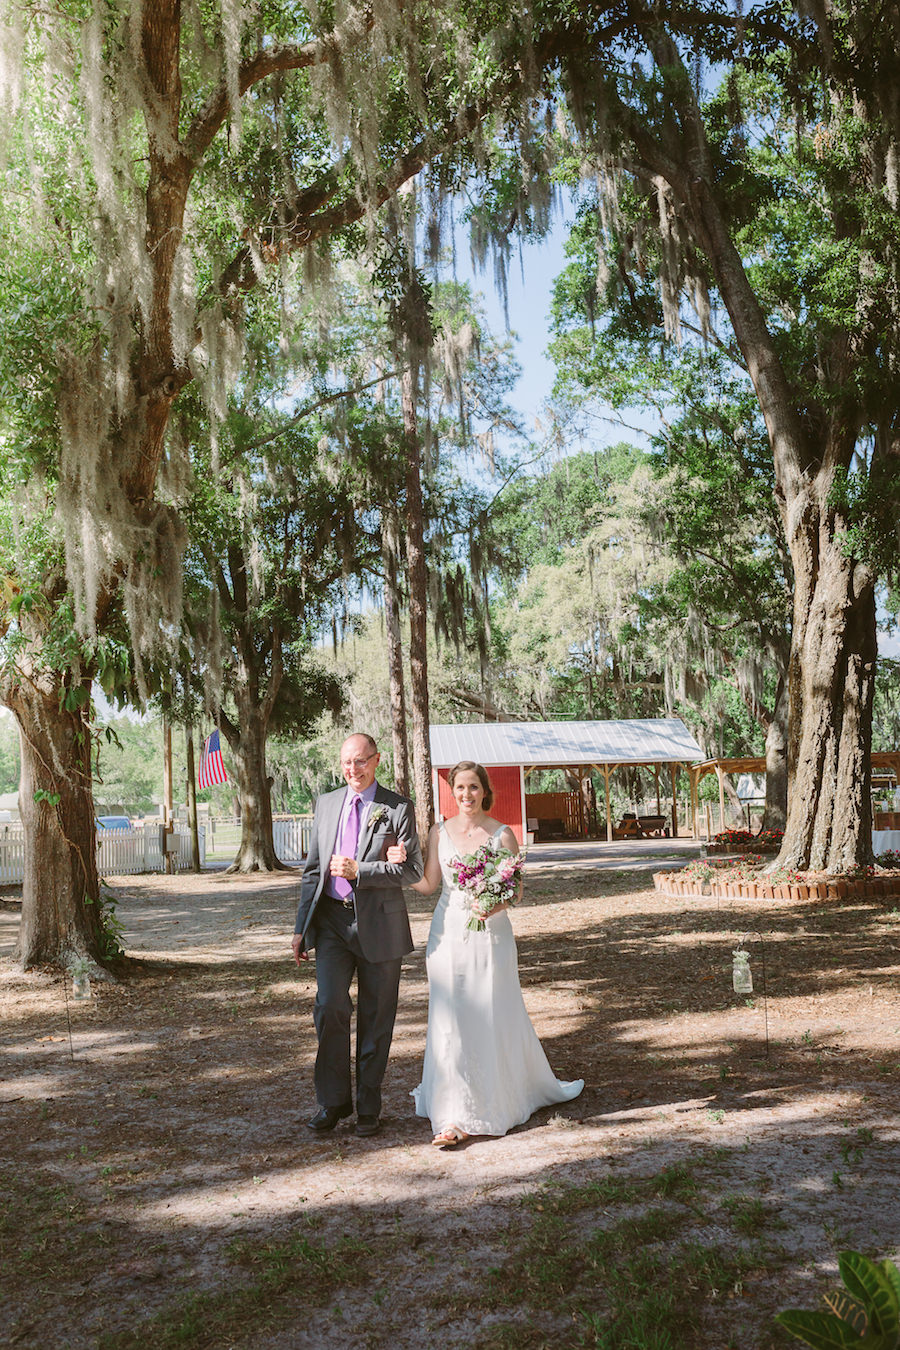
357,763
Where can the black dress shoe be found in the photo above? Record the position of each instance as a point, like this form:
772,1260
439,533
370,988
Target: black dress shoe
366,1125
327,1117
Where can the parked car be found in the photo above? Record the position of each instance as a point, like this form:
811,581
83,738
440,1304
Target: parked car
114,823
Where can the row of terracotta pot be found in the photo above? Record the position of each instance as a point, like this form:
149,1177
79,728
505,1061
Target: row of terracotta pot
830,888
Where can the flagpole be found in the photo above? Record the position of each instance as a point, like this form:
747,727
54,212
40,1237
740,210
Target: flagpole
192,798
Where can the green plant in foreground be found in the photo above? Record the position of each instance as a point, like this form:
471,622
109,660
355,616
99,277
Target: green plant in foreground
867,1315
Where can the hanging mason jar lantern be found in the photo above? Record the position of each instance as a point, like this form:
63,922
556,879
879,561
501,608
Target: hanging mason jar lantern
741,977
80,970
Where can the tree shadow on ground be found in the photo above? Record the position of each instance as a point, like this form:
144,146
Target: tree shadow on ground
177,1129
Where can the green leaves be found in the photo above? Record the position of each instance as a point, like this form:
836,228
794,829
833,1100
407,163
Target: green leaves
822,1331
74,697
876,1291
868,1315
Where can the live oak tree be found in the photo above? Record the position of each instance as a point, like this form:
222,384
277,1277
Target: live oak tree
723,607
135,136
781,193
273,543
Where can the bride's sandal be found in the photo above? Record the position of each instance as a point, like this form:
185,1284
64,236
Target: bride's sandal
450,1137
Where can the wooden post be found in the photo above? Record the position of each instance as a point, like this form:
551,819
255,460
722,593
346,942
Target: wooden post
523,809
692,776
708,823
192,798
656,776
168,803
609,828
721,779
673,770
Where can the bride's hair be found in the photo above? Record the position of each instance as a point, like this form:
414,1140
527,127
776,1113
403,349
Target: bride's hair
465,765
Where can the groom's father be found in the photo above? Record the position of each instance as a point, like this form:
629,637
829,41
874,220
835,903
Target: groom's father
353,912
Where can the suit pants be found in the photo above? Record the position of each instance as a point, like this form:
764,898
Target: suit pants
338,957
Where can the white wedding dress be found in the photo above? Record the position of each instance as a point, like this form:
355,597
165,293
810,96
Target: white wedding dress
484,1070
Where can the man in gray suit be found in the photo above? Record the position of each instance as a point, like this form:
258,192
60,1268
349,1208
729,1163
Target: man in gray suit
353,912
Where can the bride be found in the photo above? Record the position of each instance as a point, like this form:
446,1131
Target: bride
484,1069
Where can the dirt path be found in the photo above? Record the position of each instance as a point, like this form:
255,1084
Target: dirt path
157,1166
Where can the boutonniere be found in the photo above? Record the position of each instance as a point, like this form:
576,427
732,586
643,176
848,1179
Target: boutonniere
377,813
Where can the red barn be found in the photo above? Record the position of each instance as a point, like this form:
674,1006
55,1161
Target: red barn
510,750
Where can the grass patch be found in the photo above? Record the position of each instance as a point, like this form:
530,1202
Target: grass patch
620,1264
750,1215
239,1312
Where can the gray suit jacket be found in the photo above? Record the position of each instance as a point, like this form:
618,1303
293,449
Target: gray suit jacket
381,918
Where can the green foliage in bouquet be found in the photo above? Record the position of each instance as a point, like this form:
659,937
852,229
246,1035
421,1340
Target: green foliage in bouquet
866,1315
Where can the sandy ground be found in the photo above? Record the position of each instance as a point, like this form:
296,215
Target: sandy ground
154,1136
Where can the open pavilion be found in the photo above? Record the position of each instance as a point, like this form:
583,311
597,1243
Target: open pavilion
514,751
885,764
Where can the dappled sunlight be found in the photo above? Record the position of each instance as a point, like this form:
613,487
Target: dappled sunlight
34,1086
180,1124
93,1046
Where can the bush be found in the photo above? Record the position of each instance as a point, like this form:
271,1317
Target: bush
868,1314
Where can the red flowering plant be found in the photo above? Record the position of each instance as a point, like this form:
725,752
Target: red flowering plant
733,838
742,869
786,876
700,870
767,841
889,859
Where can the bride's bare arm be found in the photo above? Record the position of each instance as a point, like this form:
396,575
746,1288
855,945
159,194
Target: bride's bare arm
431,878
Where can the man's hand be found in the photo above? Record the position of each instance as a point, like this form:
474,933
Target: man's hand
348,868
300,952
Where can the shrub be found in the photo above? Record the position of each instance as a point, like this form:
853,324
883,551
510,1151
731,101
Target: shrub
868,1314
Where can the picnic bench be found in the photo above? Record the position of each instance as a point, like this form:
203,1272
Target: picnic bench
641,827
655,827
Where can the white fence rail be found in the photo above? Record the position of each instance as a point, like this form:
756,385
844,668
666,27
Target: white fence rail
125,852
12,853
292,838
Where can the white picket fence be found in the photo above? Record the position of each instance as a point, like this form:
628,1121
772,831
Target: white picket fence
125,852
12,853
292,838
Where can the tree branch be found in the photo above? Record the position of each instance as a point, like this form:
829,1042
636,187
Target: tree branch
310,408
264,63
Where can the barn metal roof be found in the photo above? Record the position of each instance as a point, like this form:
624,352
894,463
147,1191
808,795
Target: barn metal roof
659,740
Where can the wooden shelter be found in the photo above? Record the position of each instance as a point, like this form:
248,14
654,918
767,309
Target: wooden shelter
512,751
886,760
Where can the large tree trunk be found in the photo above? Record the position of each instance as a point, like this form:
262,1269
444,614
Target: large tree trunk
833,646
61,913
418,611
248,749
832,685
389,542
775,812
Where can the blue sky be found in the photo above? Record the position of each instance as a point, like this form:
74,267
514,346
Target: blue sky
529,310
533,269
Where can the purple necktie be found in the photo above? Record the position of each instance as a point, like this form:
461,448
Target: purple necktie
347,845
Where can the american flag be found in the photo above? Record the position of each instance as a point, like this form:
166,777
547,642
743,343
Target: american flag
212,770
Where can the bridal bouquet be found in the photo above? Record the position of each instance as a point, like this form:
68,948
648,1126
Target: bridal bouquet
488,877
